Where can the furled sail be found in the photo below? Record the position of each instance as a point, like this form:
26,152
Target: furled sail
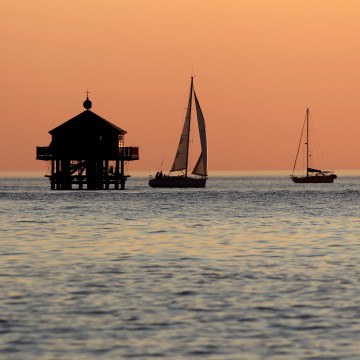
314,170
201,165
181,157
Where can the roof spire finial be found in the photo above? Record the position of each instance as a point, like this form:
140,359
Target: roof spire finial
87,103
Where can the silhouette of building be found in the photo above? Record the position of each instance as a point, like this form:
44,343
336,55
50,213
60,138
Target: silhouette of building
87,152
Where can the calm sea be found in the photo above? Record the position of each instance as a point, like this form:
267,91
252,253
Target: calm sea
252,267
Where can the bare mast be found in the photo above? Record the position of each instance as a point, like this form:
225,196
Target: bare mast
307,142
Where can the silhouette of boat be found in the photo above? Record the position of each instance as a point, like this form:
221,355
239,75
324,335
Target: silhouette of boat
312,175
181,160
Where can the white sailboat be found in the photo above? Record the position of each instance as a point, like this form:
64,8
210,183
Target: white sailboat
181,160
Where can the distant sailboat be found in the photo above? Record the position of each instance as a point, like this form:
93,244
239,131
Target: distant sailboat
312,175
181,160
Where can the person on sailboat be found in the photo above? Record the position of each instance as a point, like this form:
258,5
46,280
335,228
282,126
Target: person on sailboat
159,175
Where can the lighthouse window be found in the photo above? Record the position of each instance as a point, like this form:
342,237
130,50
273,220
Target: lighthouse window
121,140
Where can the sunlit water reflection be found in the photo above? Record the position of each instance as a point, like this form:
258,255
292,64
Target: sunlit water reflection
248,268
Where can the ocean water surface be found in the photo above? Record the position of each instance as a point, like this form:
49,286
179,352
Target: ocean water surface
251,267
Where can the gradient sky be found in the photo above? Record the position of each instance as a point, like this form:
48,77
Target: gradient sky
257,63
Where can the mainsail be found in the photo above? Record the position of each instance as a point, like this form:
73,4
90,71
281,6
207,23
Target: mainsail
201,165
181,157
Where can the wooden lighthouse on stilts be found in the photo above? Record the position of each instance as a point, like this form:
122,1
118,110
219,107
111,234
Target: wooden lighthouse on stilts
87,152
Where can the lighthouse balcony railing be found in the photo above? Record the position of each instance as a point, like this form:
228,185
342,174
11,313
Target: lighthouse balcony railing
43,153
129,153
126,153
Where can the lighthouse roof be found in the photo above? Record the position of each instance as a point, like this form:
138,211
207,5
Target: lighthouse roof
87,121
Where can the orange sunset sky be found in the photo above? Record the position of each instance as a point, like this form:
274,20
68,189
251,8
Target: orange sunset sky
257,63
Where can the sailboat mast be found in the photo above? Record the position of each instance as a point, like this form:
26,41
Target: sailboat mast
307,142
189,118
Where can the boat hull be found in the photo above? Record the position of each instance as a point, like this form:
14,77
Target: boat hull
177,182
317,179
